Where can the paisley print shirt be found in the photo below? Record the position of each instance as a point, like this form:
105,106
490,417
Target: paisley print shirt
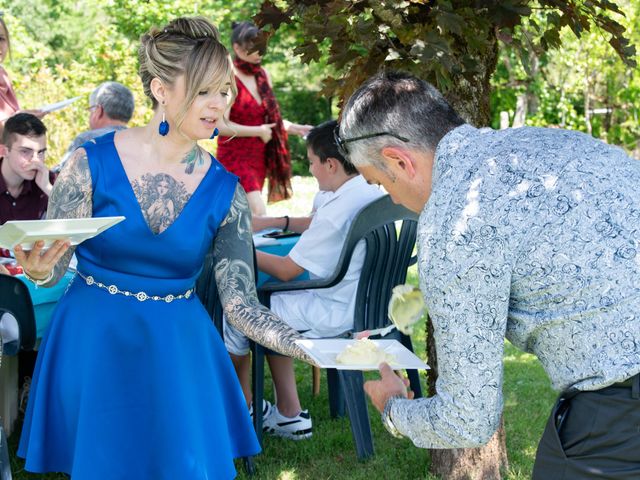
534,235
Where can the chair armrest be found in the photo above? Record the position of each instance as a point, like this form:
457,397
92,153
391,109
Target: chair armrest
271,287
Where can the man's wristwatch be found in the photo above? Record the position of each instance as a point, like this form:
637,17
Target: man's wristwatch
386,417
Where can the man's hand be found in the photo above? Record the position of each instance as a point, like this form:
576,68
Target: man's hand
4,271
389,385
42,177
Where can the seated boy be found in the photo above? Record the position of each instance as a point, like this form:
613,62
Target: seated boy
316,313
291,224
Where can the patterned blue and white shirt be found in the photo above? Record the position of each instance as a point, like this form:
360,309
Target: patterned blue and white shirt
534,235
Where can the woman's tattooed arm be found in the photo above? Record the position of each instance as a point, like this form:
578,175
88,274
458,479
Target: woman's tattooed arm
71,198
236,284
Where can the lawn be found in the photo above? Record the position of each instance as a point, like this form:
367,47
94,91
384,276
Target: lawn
330,453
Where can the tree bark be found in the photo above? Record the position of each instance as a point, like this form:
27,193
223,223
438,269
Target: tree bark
484,463
471,99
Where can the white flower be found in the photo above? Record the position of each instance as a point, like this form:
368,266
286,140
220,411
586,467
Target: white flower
406,307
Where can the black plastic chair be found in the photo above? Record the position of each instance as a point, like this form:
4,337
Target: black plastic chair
207,291
16,300
389,253
5,465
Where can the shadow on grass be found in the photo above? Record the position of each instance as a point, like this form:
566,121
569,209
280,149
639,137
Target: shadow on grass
330,453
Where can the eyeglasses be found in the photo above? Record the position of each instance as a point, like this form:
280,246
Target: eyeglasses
28,153
341,143
91,107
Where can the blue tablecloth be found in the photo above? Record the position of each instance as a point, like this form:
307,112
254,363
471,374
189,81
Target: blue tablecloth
45,299
281,247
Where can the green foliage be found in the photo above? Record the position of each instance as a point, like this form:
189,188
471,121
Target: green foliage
441,41
582,74
307,107
65,48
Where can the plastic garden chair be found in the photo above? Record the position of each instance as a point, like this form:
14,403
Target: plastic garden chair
15,301
389,253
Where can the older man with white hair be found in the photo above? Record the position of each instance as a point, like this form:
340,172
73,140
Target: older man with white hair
529,234
111,107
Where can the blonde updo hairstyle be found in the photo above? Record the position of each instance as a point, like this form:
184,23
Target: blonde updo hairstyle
188,46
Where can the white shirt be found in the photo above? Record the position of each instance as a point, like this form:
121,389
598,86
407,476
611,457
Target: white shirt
327,312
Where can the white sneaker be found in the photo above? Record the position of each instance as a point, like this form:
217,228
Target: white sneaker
293,428
267,408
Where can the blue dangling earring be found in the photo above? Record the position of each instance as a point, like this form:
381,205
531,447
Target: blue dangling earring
163,129
214,134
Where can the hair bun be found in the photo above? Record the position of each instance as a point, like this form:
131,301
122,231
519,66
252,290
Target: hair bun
234,25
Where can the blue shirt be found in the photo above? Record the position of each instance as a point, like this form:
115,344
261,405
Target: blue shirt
530,234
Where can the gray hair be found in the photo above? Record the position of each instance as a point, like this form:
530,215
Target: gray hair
115,99
398,103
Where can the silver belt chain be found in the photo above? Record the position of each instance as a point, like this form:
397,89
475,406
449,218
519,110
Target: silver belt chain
141,296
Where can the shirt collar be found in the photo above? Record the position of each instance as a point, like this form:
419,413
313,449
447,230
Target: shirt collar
350,184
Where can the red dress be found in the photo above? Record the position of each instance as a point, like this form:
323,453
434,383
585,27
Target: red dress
245,156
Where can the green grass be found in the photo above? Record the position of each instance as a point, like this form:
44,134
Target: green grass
330,453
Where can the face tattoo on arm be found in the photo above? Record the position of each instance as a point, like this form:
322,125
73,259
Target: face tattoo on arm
71,197
236,284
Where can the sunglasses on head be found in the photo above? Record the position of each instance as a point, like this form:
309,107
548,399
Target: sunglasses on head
342,142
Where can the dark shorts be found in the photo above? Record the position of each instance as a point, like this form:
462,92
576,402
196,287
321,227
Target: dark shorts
592,435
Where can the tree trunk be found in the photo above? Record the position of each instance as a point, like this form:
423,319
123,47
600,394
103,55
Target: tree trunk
471,101
484,463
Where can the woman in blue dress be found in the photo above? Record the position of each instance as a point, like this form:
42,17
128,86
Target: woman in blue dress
133,380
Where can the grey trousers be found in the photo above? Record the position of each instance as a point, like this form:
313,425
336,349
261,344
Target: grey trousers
592,435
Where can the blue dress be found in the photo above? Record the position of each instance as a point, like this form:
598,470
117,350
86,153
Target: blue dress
129,389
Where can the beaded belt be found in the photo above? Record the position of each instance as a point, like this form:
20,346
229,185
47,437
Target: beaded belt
141,296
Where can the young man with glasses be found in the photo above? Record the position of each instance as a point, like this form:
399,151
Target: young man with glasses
25,186
525,233
25,180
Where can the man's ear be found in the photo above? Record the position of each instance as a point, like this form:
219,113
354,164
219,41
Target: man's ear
400,160
4,151
101,111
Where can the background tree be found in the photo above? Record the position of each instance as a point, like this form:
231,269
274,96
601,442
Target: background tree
454,45
65,48
581,86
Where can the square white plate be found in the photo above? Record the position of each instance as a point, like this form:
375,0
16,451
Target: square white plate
324,352
77,230
58,105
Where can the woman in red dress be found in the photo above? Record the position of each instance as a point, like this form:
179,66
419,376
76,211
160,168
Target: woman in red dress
253,144
8,101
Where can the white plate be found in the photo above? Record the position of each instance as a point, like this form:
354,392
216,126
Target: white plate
324,352
58,105
77,230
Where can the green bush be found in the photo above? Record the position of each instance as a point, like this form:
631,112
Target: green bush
305,107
